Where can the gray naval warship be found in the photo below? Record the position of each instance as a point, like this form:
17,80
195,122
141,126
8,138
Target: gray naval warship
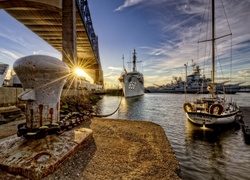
196,83
132,82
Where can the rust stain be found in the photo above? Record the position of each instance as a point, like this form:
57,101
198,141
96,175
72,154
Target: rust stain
57,110
51,114
26,116
40,114
31,118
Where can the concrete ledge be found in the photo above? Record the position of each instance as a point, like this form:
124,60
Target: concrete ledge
35,159
8,95
9,109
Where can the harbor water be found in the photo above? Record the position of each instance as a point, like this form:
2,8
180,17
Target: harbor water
203,153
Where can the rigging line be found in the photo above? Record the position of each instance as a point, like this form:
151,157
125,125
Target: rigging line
203,21
106,115
231,58
231,61
208,15
216,38
198,47
218,59
203,24
226,16
208,62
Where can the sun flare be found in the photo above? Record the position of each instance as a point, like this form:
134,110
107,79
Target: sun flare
80,72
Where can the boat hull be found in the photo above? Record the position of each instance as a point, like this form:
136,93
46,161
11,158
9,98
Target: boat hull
190,91
132,84
211,119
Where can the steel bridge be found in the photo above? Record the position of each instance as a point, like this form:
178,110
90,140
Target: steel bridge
66,25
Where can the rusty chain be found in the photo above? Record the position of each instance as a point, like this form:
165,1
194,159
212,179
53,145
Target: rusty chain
66,123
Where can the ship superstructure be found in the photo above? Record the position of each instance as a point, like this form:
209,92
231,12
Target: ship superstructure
195,83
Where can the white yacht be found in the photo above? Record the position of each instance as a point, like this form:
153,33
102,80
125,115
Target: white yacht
132,82
214,109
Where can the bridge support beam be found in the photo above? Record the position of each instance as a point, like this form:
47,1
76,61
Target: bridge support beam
97,76
69,44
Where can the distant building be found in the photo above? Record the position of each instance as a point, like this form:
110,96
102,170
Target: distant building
15,81
3,72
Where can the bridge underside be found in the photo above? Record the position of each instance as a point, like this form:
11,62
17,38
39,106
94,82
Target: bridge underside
45,18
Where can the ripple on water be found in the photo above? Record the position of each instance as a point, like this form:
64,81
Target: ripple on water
202,153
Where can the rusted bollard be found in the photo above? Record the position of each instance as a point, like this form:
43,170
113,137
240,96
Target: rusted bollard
42,78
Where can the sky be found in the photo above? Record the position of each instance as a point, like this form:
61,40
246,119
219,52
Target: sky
165,34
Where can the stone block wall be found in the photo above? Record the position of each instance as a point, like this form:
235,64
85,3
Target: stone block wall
8,95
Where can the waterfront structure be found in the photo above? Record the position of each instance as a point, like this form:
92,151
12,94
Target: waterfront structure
132,82
213,109
3,72
65,25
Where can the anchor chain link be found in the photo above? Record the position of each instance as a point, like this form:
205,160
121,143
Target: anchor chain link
71,120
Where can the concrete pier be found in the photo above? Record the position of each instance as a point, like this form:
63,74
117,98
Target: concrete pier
117,149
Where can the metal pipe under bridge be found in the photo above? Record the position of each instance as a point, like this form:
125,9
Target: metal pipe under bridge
66,25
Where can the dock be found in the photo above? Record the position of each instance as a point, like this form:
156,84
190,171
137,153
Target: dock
246,121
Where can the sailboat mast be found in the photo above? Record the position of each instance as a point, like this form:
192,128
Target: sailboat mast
213,41
134,61
123,61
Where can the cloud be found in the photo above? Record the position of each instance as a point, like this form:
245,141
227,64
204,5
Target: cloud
49,52
243,76
9,55
115,68
244,73
181,34
12,37
181,24
148,3
128,3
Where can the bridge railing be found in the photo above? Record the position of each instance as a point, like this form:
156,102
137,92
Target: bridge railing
83,8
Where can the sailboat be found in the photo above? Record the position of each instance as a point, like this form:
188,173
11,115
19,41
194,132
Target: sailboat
214,109
132,82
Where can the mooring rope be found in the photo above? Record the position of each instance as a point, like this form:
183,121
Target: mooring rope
69,121
106,115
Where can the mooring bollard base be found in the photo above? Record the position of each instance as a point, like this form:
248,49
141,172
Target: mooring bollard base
35,159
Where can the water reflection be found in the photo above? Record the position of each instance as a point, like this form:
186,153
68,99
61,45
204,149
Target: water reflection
206,151
194,132
203,153
128,106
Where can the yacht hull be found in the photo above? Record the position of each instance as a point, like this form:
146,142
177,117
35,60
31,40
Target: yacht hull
211,119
